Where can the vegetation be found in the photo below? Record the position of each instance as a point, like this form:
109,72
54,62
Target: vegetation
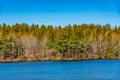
23,42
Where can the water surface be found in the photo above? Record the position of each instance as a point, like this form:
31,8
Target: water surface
59,70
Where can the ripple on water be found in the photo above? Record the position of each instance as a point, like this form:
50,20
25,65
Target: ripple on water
58,70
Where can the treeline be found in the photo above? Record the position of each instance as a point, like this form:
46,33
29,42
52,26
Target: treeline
23,42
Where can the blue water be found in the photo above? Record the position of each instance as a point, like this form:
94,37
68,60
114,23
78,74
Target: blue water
58,70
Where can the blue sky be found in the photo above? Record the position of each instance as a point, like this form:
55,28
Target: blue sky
60,12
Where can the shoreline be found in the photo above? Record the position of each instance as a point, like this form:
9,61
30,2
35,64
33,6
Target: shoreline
20,61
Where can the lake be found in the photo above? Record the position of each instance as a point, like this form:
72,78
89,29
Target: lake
61,70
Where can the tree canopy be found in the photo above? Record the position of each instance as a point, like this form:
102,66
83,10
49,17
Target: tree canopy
72,42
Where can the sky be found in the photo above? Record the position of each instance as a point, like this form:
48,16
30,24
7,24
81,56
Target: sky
60,12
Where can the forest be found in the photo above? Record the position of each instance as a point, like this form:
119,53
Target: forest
23,42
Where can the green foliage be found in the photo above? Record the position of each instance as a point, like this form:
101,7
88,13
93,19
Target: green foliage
7,46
